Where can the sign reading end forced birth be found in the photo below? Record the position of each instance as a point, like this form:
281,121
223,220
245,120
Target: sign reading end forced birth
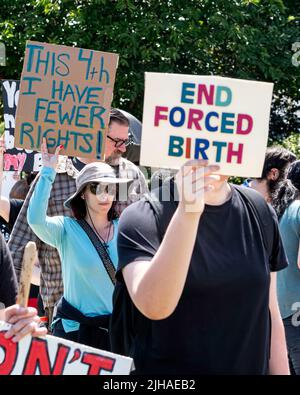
223,120
65,96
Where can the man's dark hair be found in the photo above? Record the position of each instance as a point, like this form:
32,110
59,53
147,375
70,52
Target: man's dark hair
78,208
277,158
117,116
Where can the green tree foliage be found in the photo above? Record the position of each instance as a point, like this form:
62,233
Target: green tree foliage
249,39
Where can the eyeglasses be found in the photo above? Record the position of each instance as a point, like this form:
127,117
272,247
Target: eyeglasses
119,143
98,188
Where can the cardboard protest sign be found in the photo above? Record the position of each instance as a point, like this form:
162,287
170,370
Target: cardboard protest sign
16,159
65,96
51,355
223,120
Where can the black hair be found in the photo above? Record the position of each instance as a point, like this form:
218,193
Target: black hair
277,158
78,207
288,190
29,177
117,116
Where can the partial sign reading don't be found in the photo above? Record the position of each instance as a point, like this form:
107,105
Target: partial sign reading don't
65,96
51,355
223,120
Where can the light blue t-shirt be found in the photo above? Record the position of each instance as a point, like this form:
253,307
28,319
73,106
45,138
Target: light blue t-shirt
288,280
87,285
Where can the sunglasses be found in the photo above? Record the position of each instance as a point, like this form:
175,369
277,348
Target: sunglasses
98,188
119,143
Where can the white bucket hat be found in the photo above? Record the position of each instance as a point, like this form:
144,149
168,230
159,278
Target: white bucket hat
95,172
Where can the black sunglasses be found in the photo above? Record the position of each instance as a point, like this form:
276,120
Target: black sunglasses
97,188
119,143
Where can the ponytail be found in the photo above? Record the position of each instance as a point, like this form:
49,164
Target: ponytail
284,195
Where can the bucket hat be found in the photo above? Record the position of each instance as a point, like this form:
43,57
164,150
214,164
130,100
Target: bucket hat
95,172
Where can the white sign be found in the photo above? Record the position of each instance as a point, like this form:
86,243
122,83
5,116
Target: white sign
7,183
51,355
223,120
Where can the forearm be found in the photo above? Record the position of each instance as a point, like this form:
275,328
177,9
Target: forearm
157,286
279,364
48,229
279,357
37,209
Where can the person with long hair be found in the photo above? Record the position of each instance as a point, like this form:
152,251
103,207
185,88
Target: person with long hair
287,206
83,312
277,160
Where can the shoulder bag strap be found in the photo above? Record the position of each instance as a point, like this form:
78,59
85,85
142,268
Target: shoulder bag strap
102,252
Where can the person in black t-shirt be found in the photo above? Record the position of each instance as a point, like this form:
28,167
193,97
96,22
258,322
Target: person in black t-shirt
9,211
208,289
8,280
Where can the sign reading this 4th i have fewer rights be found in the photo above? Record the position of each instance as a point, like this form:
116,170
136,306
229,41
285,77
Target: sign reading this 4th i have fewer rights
223,120
65,96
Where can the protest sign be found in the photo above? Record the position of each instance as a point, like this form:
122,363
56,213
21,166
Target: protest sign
65,96
7,183
16,159
49,355
223,120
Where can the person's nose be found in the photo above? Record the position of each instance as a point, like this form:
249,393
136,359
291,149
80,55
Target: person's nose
103,197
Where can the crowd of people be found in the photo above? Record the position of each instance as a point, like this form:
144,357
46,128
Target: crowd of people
184,285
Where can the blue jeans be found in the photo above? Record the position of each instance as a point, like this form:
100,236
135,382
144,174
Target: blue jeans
292,334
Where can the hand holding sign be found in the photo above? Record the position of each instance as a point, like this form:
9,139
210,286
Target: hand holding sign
49,160
193,180
24,320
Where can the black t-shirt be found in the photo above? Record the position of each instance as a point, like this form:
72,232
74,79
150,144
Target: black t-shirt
15,208
77,164
4,229
7,227
8,280
221,324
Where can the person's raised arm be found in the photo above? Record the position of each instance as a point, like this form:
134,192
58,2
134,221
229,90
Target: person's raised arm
48,229
156,286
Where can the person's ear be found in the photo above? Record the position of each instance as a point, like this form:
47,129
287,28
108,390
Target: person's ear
82,196
273,174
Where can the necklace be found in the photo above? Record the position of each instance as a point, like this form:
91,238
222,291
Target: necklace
105,243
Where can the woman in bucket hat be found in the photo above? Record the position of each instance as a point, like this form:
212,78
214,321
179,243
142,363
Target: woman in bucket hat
87,247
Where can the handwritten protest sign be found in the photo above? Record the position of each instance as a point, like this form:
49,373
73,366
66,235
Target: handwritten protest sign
51,355
223,120
65,96
16,159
